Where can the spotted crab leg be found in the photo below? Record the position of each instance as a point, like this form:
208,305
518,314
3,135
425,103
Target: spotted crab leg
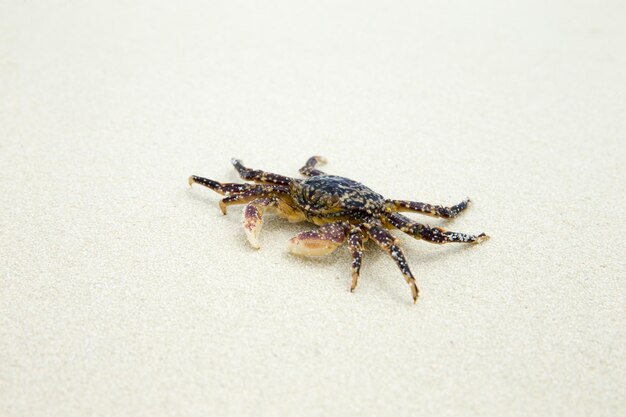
355,244
387,242
429,209
432,234
259,176
239,193
221,188
321,241
309,167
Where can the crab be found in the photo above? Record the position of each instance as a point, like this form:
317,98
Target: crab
346,211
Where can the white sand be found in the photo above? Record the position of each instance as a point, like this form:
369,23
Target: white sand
123,292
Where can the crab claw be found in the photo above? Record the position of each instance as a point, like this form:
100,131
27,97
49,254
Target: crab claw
318,242
311,244
252,224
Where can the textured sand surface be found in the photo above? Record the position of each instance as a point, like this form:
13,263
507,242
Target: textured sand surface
124,292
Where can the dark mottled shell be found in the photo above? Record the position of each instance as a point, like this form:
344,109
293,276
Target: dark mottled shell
332,196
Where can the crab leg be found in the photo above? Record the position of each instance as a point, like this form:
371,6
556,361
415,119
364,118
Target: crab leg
432,234
387,242
319,242
259,176
221,188
309,168
355,244
429,209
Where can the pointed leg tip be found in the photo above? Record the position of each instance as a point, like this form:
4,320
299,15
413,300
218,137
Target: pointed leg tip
321,159
223,208
482,238
191,180
355,281
235,161
414,291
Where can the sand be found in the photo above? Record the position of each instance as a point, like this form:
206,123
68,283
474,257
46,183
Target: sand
124,292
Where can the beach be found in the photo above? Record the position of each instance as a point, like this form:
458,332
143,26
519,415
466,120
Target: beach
125,292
